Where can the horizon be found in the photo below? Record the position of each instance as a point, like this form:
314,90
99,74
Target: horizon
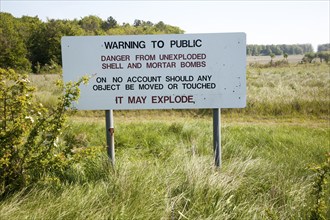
265,23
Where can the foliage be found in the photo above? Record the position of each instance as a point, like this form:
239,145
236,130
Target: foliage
310,57
109,23
13,51
266,50
320,188
287,90
323,47
28,41
324,55
280,89
45,42
285,56
29,132
166,171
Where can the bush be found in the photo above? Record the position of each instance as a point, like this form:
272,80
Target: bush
321,188
324,55
29,132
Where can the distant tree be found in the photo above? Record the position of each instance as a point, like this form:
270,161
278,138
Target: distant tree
285,56
148,23
323,47
277,50
45,43
160,26
13,51
137,23
272,56
309,57
324,55
256,50
109,23
248,50
297,49
27,26
92,25
28,40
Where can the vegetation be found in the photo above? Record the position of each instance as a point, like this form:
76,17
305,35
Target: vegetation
267,50
165,170
273,90
28,42
311,57
323,47
29,132
275,152
288,90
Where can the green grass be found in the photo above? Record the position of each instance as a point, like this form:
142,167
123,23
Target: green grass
164,160
294,90
164,170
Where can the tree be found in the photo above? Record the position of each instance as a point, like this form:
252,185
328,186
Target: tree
324,55
137,23
13,51
309,57
28,41
109,23
323,47
92,25
285,56
272,56
45,42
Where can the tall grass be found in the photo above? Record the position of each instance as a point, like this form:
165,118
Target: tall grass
165,170
297,89
46,92
300,89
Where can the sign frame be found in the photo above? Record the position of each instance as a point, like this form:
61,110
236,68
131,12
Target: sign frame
180,71
207,79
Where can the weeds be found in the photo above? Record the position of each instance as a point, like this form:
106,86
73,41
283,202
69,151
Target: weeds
159,176
29,132
284,90
321,190
164,169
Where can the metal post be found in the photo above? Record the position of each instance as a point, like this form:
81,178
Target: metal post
217,136
110,131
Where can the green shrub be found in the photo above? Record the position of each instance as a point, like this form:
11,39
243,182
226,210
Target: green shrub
320,208
29,132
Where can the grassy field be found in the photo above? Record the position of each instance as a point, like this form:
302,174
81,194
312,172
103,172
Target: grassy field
284,91
164,160
294,59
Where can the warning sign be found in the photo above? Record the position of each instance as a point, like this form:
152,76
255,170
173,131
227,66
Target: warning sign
178,71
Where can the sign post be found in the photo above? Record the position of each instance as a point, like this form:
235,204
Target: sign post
217,136
110,134
180,71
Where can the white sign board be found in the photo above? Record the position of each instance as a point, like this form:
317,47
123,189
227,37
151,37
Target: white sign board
180,71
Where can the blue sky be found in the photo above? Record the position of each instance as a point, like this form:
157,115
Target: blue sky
264,22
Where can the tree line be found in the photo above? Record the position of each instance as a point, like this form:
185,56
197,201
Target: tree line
266,50
29,43
323,47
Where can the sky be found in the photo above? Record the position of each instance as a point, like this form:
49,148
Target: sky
264,22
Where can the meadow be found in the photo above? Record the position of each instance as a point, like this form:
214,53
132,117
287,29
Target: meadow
273,154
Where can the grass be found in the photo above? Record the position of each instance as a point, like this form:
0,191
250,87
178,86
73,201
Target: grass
294,90
294,59
164,160
301,89
165,170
